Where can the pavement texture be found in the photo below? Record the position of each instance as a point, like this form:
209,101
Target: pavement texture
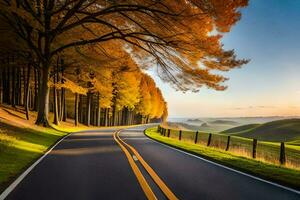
91,165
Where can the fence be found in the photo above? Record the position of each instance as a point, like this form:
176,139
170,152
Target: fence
271,152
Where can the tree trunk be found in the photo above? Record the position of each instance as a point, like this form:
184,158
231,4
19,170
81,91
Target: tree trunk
105,116
63,114
27,92
76,109
80,109
1,85
98,110
55,110
88,110
43,105
13,84
35,90
8,85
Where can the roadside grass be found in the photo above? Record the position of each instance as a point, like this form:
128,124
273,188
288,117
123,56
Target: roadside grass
20,147
279,174
266,151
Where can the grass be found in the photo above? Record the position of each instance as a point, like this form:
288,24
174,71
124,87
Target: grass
286,176
20,147
239,129
287,130
266,151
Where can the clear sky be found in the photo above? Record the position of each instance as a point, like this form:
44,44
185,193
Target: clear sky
269,35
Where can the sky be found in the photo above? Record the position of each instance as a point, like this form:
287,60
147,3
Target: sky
268,34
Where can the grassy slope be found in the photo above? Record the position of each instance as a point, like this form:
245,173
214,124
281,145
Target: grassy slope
20,147
239,129
287,130
282,175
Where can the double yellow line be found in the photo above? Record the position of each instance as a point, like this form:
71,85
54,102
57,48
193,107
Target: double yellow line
145,186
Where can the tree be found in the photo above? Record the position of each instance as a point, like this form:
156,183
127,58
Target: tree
174,34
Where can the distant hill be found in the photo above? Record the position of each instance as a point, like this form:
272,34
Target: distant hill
224,122
182,126
281,130
194,120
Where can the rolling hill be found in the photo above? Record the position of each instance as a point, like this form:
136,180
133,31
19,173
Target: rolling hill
286,130
224,122
240,129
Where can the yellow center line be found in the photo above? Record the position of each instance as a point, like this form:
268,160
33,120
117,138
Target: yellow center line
142,181
164,188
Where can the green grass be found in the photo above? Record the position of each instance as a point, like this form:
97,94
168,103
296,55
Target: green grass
20,147
287,130
266,151
240,129
276,173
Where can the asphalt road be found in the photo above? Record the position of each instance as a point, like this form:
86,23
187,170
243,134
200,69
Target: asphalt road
91,165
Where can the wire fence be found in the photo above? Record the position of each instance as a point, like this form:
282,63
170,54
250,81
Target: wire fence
270,152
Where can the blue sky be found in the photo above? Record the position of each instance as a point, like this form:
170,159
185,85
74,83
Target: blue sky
269,35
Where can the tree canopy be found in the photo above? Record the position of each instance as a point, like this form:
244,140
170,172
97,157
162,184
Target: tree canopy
180,38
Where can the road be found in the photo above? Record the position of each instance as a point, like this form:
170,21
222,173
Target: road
91,165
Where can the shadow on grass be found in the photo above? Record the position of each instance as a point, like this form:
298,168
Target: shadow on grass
20,147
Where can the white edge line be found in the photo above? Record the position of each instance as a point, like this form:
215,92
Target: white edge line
228,168
14,184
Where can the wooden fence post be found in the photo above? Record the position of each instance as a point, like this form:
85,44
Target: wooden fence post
228,143
209,139
282,158
169,132
196,137
180,132
254,148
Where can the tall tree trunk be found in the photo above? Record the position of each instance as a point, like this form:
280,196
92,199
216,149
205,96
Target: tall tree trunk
80,109
27,92
1,85
13,84
108,117
35,89
76,109
63,114
55,108
98,109
8,91
43,105
17,98
105,117
88,109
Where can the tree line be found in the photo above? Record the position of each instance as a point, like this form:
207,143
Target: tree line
98,50
103,97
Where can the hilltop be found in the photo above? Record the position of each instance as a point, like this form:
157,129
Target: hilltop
286,130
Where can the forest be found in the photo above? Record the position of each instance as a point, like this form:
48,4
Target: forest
87,60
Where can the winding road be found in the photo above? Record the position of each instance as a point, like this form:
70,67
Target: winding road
112,164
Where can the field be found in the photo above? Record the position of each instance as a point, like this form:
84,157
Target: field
276,173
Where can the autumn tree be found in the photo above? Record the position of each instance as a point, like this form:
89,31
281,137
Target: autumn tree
174,35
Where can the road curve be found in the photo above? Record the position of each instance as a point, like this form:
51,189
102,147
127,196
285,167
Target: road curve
85,165
91,165
192,178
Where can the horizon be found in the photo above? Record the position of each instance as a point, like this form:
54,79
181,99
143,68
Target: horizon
268,84
272,116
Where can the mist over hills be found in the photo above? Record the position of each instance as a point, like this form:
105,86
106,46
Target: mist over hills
222,124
